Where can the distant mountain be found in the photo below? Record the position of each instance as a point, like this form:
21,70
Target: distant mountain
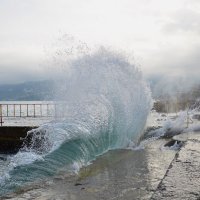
170,86
28,91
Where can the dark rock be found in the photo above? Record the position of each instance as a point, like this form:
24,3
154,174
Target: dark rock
77,184
149,132
196,116
173,142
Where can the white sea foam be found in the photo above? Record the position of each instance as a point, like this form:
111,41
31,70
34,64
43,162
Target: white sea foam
175,123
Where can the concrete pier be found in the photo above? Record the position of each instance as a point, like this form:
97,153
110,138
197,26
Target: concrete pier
11,137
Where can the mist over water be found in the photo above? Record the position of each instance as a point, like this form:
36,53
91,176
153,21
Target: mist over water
103,104
171,86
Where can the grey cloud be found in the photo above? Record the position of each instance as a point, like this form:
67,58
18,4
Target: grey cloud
186,20
178,61
142,25
189,62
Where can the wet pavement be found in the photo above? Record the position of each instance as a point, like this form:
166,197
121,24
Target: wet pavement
119,174
182,179
155,172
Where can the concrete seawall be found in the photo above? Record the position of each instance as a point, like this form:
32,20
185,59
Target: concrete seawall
11,138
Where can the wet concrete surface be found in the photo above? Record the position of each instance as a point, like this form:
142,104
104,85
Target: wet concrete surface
182,179
154,173
119,174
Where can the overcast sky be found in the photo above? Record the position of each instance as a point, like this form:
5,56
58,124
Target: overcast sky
164,35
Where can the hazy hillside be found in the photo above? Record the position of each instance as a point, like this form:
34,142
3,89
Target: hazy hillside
175,95
29,91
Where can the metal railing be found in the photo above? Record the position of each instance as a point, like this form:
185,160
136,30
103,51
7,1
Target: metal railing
27,111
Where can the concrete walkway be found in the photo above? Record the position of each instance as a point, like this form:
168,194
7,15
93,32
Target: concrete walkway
182,179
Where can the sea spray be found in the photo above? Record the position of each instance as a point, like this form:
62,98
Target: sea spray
105,104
